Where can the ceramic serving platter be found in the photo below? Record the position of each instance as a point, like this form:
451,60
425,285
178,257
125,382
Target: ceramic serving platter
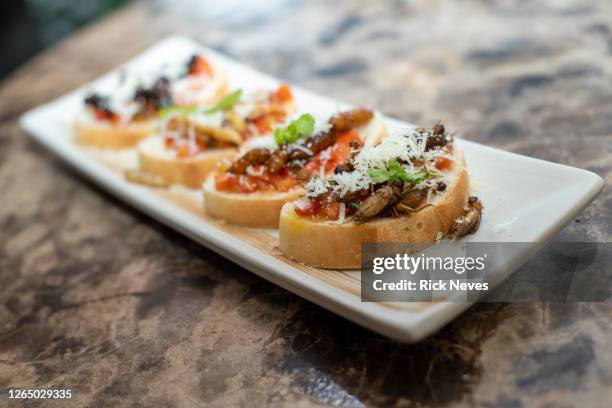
526,200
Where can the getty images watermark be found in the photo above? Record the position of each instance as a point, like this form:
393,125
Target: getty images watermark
486,271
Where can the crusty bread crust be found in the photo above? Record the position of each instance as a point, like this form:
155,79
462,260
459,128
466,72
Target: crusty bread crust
187,171
265,208
256,210
334,246
109,136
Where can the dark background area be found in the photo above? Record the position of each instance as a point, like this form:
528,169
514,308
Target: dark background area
29,26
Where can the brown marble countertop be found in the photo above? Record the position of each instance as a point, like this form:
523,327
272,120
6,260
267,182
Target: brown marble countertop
99,298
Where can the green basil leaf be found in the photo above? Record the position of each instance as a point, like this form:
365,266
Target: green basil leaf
300,127
176,110
394,171
226,103
379,175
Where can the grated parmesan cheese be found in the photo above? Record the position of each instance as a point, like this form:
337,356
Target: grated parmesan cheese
341,214
302,148
302,203
316,186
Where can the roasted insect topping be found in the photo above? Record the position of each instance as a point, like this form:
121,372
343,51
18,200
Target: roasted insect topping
411,200
250,158
470,221
437,137
314,145
101,107
382,198
154,98
277,160
345,121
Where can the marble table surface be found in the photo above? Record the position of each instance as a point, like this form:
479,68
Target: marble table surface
99,298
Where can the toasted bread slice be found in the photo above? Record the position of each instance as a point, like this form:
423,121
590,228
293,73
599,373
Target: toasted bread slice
106,135
188,171
327,244
256,210
264,208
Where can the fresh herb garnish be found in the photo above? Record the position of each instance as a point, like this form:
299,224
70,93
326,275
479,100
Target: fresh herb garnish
354,205
395,171
224,104
301,127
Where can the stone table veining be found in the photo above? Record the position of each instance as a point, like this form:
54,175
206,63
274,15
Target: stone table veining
97,297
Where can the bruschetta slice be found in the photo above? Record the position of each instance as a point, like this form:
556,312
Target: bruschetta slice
251,190
412,188
127,115
193,140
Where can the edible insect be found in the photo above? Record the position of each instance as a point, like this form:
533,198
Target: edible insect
377,202
349,120
255,156
277,160
438,129
411,200
96,101
156,97
469,222
437,137
315,144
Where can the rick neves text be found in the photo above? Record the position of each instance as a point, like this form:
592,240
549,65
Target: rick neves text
429,285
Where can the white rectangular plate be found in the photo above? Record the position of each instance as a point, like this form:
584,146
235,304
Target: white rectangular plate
525,199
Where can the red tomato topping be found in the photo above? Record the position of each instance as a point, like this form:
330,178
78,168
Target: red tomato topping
330,211
262,123
102,114
312,208
249,183
199,65
282,94
443,163
339,154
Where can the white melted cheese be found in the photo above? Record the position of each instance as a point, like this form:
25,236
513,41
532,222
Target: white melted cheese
322,125
249,101
266,142
214,119
244,109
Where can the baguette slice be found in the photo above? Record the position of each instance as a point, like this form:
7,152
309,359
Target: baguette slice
255,210
102,134
338,246
191,171
261,210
